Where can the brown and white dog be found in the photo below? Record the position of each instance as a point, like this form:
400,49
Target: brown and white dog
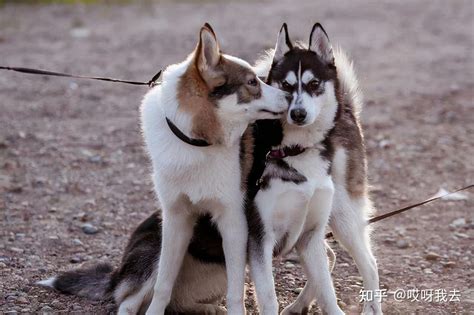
192,124
314,174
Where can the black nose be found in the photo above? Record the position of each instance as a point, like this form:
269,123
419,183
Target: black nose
298,115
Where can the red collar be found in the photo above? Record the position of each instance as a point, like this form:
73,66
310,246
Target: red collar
284,152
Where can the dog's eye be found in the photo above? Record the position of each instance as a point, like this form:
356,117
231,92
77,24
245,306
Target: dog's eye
313,84
285,85
252,82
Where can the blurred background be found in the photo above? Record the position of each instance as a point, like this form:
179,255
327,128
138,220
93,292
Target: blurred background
74,175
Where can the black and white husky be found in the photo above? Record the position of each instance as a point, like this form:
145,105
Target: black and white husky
192,123
315,174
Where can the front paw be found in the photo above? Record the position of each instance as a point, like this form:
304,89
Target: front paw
372,308
292,310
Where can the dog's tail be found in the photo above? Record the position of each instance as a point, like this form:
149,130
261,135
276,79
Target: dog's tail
92,283
348,80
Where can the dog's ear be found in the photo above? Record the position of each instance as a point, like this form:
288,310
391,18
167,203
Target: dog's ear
283,44
208,52
319,43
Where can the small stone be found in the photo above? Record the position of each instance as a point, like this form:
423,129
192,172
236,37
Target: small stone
47,309
428,271
57,304
432,256
95,159
77,242
461,235
75,260
402,244
89,229
460,222
17,250
76,307
298,290
3,265
10,312
22,300
289,265
449,264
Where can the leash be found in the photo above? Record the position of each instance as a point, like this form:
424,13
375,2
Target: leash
398,211
150,83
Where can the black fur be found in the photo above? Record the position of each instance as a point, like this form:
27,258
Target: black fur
266,134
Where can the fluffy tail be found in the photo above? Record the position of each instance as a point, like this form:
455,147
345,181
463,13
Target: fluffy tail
348,80
92,283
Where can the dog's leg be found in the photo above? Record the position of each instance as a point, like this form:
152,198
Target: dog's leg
233,227
313,253
349,226
138,302
260,260
177,232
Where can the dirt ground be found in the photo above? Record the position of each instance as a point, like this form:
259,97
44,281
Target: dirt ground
71,150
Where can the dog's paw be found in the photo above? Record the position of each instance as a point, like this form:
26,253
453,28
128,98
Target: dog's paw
210,309
293,310
372,308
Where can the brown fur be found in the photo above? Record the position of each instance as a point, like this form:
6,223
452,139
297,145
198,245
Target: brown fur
347,133
246,155
193,98
200,79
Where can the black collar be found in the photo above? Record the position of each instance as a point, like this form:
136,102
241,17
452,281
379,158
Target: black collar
178,133
284,152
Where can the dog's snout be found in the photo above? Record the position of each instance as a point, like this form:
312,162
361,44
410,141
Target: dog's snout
298,115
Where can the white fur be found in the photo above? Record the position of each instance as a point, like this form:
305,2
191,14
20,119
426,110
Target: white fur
348,79
291,78
190,180
307,76
49,283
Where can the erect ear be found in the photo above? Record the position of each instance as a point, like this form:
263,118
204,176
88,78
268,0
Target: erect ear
283,44
319,43
208,52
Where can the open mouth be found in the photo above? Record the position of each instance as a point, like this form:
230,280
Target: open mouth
273,113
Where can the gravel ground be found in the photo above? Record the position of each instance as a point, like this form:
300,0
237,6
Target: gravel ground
71,151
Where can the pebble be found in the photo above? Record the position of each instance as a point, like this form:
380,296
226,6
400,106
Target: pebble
17,250
77,242
47,308
402,244
10,312
432,256
89,229
461,235
298,290
3,265
76,307
428,271
460,222
289,265
75,260
449,264
22,300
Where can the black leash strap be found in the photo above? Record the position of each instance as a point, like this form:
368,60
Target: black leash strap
150,83
398,211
